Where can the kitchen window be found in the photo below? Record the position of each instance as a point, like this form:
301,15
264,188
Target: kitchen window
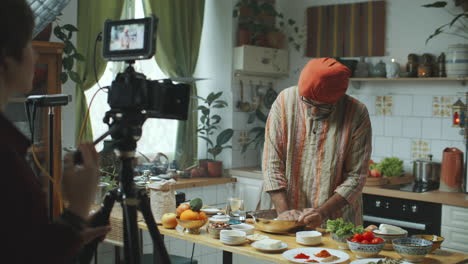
159,135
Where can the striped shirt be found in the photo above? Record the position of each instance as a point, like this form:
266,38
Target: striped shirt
313,159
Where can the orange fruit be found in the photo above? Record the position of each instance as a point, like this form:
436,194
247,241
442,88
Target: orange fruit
202,216
189,215
182,208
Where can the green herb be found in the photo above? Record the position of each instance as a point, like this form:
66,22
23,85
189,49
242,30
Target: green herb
391,167
342,228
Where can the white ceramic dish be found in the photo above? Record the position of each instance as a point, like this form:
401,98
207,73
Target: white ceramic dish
248,229
232,237
210,210
309,238
367,260
290,254
256,237
283,247
238,243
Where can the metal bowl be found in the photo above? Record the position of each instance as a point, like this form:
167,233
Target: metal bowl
191,226
265,220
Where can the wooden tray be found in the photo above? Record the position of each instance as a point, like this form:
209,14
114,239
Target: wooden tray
402,179
375,181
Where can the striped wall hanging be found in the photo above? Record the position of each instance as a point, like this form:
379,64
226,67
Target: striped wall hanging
348,30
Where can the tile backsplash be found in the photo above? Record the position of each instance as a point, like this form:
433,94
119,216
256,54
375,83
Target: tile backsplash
411,124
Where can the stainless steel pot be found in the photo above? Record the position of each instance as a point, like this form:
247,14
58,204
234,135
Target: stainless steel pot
426,171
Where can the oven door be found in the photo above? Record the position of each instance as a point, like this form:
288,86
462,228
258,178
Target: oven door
413,228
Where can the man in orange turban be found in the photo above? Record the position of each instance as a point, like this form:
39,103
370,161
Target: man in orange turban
317,147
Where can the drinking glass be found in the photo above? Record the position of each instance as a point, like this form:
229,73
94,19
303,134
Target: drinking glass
235,201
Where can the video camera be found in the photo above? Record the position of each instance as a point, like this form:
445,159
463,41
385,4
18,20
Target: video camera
135,39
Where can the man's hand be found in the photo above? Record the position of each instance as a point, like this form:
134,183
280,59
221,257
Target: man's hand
290,215
311,217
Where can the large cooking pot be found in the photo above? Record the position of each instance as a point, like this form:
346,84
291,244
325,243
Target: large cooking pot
265,220
426,170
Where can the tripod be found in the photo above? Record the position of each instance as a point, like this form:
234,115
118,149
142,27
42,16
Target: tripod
126,130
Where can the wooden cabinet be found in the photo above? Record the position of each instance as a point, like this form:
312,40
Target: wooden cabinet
455,228
46,81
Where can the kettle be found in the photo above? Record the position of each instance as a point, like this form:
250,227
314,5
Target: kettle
452,170
426,171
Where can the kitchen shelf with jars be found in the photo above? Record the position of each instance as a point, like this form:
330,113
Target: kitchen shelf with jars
426,70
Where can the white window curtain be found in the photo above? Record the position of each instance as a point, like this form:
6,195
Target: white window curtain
159,135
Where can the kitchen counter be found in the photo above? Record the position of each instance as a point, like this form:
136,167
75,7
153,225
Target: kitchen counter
199,182
447,198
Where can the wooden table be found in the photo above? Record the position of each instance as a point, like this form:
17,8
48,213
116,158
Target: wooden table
440,256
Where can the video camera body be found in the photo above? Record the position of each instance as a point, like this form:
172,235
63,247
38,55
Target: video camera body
135,39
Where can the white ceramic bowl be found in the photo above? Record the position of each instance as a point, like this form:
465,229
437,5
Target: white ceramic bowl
309,238
232,237
248,229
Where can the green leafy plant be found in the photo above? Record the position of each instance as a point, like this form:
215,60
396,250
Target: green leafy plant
390,167
109,176
257,132
209,124
342,228
262,17
458,26
70,53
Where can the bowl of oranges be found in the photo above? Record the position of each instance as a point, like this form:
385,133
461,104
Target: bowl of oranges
190,217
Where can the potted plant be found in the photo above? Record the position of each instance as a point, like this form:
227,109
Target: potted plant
70,53
262,25
459,18
209,125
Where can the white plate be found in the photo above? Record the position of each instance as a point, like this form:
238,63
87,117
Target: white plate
367,260
282,248
290,254
210,211
234,244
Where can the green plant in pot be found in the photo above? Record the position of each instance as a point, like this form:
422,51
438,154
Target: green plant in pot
458,25
262,25
208,127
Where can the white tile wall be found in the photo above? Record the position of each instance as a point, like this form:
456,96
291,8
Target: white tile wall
403,105
378,125
403,147
422,106
393,126
449,132
412,127
437,147
383,146
432,128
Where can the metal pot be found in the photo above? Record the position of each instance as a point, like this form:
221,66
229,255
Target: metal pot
426,171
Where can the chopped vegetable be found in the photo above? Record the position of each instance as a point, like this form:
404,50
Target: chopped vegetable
390,167
342,228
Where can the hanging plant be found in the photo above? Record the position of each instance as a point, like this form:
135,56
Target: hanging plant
70,53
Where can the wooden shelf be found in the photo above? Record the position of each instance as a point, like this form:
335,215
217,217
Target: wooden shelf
356,82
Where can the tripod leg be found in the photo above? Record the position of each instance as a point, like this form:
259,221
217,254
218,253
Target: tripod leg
160,253
131,240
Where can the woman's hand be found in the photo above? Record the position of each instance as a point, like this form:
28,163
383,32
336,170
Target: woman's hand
290,215
311,217
80,182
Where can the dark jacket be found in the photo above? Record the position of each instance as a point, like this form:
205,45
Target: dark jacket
26,236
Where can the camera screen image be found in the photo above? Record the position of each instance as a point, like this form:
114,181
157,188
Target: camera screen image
127,37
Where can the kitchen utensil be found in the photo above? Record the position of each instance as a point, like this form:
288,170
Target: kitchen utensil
362,250
412,249
452,170
270,96
243,106
426,171
265,220
290,254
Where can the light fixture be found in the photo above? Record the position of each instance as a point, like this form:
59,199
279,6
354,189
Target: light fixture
458,113
45,12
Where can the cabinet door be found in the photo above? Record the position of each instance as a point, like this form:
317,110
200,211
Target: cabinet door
455,216
252,189
455,239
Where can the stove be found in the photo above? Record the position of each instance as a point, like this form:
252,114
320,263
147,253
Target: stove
418,187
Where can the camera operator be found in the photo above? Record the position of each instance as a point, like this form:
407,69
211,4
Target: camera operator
26,234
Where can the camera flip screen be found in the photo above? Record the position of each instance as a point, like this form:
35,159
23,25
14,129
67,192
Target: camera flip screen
125,40
127,37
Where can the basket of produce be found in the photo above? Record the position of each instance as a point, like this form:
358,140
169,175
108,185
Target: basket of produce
388,171
341,231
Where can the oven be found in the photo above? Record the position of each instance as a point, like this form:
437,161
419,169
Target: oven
416,217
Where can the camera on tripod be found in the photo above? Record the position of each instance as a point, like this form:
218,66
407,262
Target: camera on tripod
135,39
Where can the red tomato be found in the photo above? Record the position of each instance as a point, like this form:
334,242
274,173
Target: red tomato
365,241
379,239
355,240
368,235
375,173
376,240
358,237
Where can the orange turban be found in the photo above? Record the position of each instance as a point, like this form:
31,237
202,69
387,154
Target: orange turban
324,80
